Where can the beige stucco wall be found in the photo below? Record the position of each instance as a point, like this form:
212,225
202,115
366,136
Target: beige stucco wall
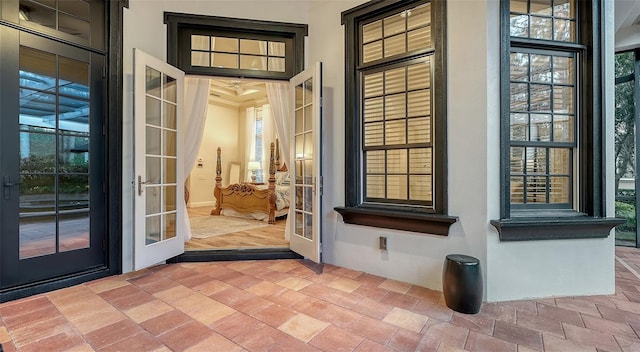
511,270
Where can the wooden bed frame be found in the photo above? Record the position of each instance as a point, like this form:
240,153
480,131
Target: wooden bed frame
245,197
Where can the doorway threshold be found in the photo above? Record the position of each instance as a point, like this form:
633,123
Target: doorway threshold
235,254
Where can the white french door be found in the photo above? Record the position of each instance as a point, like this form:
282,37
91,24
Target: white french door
158,94
306,150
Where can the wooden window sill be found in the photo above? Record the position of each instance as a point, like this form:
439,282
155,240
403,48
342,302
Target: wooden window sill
532,229
391,218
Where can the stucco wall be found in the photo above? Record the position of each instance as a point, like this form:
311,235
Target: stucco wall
414,258
511,270
560,267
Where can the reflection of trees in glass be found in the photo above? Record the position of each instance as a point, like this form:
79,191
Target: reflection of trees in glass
624,117
625,141
542,21
33,167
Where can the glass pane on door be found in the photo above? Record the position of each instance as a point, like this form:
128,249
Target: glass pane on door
160,185
54,153
304,136
69,16
625,149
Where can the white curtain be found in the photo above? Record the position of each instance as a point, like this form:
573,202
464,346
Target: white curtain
196,103
268,136
250,150
281,101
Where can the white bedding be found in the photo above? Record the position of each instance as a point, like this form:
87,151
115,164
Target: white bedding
282,196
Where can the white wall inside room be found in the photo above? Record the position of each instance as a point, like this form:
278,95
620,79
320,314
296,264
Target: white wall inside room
220,130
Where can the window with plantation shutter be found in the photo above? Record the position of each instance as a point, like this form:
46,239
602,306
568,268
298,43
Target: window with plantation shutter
396,116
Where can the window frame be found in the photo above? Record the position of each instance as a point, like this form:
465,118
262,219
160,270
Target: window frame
97,40
589,219
572,145
394,216
180,26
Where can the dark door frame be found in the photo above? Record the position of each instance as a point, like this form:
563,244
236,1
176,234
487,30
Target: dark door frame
113,164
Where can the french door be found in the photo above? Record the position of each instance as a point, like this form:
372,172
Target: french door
52,157
306,153
159,171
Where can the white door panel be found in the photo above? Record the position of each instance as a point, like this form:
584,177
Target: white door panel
158,99
306,153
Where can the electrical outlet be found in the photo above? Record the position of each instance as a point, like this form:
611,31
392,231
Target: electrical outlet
382,243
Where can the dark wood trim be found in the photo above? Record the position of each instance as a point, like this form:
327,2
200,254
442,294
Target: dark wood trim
403,217
540,44
226,255
179,22
9,159
371,9
439,17
114,142
418,222
353,133
505,125
591,176
18,292
530,229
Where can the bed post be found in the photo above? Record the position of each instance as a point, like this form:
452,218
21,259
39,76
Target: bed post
217,191
277,155
272,186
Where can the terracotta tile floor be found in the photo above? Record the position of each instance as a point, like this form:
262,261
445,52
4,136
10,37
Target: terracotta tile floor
285,305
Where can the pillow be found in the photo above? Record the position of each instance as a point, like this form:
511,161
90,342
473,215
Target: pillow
283,178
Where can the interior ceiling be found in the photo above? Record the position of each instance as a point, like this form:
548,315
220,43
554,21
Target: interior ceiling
237,91
627,13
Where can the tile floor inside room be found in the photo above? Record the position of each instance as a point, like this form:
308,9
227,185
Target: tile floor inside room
285,305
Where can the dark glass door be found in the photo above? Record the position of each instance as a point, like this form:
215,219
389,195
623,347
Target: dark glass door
52,156
626,146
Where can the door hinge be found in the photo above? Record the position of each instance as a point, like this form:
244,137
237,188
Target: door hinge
321,185
104,71
104,246
104,129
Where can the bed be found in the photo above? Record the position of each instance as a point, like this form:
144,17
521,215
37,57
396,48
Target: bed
258,201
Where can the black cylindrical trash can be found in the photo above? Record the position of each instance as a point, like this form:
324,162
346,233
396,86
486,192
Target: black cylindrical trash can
462,283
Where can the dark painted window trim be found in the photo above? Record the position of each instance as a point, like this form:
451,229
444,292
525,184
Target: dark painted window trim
179,23
415,219
578,227
590,222
114,128
397,219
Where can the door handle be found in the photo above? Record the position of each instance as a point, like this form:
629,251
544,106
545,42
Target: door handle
6,189
141,183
